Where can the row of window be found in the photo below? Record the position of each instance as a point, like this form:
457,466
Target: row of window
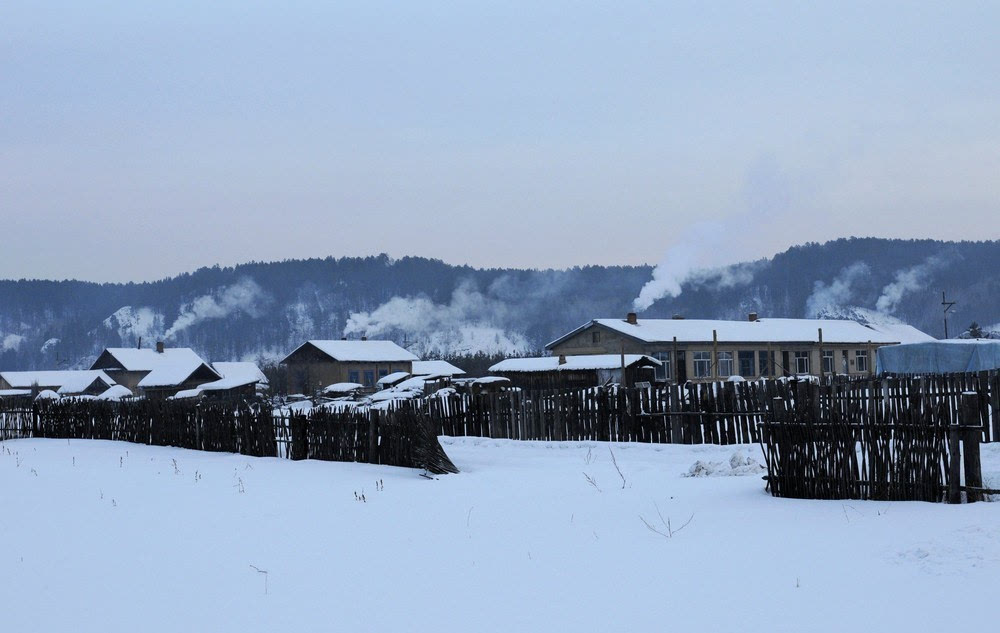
759,363
354,375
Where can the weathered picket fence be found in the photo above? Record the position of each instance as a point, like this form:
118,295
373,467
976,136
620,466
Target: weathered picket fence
396,438
712,413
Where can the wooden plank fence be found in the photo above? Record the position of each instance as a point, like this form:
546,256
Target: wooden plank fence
396,438
711,413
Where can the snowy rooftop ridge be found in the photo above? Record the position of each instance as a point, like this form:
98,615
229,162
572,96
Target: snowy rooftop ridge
170,367
65,381
439,367
760,331
573,363
235,374
360,351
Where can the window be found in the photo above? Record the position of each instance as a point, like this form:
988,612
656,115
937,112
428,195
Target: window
801,362
369,378
382,373
746,363
764,363
861,360
353,376
595,337
725,363
846,367
663,371
702,364
828,361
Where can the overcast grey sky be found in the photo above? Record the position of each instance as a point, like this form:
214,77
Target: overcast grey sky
143,139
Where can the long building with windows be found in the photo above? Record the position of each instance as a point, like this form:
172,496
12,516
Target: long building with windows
707,350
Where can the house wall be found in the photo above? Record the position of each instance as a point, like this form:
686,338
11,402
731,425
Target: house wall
310,375
610,342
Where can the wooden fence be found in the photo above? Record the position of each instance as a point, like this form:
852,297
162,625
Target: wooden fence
844,448
711,413
396,438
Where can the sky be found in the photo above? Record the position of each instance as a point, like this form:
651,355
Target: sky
140,140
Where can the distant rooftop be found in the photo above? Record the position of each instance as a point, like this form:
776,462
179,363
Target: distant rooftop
360,351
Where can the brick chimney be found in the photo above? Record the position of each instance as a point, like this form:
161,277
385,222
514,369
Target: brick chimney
562,359
752,317
364,338
631,318
159,347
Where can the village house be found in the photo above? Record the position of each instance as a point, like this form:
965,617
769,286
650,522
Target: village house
240,380
316,364
706,350
63,382
157,373
576,372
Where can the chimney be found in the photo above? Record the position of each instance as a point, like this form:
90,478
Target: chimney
343,338
159,347
678,317
562,359
631,318
364,338
752,317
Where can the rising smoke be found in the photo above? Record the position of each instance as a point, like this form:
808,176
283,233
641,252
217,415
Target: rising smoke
908,280
472,321
827,298
243,297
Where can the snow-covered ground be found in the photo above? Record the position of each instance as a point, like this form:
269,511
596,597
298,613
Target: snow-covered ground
103,536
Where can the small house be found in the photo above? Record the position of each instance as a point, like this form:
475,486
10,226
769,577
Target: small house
157,373
576,372
63,382
318,363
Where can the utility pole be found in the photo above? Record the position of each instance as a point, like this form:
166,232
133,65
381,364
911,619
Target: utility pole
948,305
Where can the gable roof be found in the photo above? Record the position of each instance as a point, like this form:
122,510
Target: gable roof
67,381
359,351
439,367
573,363
235,374
170,367
759,331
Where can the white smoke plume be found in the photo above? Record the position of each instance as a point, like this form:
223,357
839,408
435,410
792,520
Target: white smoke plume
245,296
11,343
907,280
470,322
827,298
686,261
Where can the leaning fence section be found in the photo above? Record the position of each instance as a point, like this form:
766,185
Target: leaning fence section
396,438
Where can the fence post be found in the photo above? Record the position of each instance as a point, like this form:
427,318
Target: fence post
969,417
954,464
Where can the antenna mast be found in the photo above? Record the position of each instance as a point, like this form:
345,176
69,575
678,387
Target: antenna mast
948,305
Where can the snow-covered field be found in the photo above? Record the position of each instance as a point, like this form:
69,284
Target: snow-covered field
103,536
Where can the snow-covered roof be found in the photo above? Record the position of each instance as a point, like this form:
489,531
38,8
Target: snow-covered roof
186,394
343,387
490,380
47,394
115,393
439,367
65,381
170,367
900,331
12,393
573,363
360,351
235,374
393,378
759,331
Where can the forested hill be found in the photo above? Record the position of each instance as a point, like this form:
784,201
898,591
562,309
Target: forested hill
263,310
